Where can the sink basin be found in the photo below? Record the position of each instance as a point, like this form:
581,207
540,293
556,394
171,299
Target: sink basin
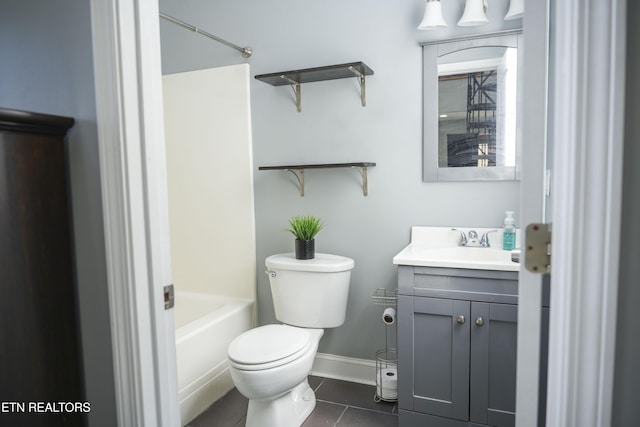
437,247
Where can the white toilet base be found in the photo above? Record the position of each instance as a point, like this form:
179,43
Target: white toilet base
287,410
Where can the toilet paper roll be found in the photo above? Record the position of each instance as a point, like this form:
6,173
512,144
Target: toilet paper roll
387,383
389,316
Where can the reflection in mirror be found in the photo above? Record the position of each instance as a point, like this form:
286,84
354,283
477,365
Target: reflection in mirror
477,108
471,126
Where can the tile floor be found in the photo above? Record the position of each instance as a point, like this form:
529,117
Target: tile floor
338,403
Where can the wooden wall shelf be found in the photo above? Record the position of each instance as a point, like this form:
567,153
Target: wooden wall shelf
308,75
298,171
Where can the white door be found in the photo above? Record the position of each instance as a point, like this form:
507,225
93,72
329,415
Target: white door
587,126
126,46
585,121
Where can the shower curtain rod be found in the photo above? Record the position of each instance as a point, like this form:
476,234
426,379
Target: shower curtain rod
246,51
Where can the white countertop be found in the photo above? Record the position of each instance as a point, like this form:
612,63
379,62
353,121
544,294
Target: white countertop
438,247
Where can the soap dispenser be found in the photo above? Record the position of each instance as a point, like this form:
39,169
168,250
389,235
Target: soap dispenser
509,233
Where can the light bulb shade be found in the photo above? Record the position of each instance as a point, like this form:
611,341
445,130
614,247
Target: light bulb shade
432,16
474,13
516,10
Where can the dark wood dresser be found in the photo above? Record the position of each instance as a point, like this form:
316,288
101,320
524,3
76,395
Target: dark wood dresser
40,364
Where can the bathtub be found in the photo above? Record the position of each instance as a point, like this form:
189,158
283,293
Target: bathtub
205,326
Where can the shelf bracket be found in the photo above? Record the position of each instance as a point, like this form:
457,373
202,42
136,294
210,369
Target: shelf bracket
295,86
363,92
365,181
299,174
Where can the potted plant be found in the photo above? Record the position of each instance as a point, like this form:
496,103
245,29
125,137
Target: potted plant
305,228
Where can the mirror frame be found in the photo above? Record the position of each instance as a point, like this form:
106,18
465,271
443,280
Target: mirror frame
431,51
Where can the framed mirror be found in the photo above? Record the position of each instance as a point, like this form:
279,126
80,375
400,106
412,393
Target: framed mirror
471,97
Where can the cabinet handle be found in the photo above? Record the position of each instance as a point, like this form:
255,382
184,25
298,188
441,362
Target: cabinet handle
461,319
479,321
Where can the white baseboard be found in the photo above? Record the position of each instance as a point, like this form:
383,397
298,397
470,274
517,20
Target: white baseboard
361,371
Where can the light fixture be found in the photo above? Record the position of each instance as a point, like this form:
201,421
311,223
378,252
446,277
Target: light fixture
432,16
474,13
516,10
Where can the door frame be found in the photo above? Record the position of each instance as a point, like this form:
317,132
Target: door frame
532,205
582,336
128,85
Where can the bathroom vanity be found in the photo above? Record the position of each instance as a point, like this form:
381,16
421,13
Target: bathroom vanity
457,332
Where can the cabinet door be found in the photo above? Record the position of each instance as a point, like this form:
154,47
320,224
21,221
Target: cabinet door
493,363
434,356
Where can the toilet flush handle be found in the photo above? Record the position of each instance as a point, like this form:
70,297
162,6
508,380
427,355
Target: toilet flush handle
270,273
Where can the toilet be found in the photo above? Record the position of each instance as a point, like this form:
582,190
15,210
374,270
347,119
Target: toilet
270,364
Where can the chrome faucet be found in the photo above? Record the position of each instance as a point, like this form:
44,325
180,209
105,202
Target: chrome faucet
484,242
462,240
471,238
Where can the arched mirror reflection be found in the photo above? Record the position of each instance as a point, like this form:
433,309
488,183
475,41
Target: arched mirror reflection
471,125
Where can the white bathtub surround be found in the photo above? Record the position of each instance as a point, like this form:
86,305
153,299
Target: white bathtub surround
205,325
210,180
212,225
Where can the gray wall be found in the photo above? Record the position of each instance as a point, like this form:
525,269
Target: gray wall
626,411
333,127
47,67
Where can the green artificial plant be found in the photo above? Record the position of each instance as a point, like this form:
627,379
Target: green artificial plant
305,227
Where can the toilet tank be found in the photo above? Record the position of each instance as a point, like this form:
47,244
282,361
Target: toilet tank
310,293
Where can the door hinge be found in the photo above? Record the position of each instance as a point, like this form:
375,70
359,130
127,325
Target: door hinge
169,299
537,257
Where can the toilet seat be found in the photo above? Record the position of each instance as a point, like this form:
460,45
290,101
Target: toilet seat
268,346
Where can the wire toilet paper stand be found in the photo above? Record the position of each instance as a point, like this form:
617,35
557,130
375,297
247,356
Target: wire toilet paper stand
387,358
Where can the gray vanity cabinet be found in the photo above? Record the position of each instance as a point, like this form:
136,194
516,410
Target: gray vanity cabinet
457,347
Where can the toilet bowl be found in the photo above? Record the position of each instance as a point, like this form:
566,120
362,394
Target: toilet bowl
267,364
270,364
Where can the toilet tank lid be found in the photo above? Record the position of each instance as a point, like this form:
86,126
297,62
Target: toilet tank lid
326,263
